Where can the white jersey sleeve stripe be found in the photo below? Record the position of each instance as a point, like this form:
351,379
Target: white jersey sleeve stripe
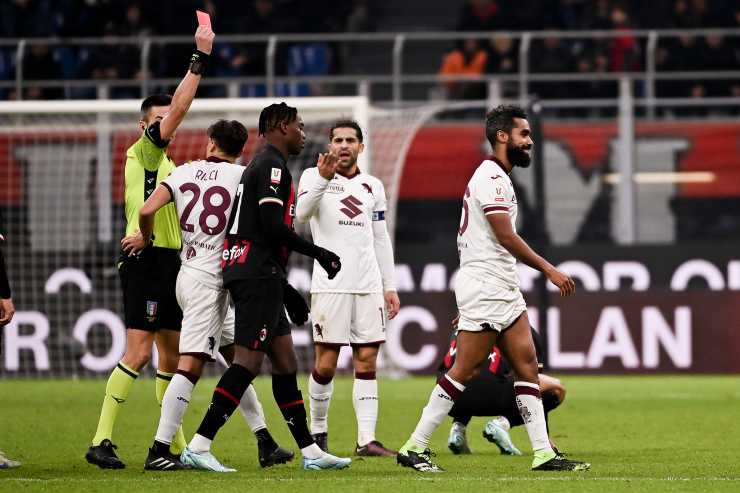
271,199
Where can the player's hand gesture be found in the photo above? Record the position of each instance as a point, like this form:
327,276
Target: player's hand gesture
134,243
329,261
327,165
7,310
204,39
392,304
563,281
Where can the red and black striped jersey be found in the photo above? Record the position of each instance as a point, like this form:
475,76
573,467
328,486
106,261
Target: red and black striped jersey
248,253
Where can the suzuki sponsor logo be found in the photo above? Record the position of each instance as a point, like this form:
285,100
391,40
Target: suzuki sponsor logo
351,209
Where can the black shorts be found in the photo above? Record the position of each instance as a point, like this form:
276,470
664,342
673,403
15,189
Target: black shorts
258,312
148,281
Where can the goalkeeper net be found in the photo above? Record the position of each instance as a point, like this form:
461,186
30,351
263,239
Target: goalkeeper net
61,198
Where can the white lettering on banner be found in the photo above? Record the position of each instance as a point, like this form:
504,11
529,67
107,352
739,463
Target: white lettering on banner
427,355
35,342
404,279
697,268
434,278
614,271
656,332
733,274
68,275
612,338
556,357
113,324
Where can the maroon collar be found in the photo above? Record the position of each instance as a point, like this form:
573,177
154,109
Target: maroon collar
351,176
500,164
214,159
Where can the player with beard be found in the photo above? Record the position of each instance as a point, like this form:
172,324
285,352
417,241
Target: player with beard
259,240
346,210
491,307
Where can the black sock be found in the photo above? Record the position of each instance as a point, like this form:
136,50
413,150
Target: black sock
459,416
290,402
513,415
161,448
264,439
226,397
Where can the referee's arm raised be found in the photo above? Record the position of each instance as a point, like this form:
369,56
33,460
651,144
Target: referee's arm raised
185,92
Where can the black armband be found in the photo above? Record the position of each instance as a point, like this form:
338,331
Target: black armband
198,62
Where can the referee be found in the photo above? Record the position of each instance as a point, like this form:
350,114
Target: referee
148,279
6,315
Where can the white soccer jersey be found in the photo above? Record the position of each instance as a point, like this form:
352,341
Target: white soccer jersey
489,191
342,222
203,193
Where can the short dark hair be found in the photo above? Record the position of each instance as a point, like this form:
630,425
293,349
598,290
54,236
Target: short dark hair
274,115
502,118
154,100
346,124
229,136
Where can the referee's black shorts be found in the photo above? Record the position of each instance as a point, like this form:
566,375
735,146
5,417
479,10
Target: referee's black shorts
258,312
148,281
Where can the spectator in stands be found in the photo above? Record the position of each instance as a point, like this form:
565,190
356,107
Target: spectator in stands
39,64
550,55
503,57
481,15
468,58
25,18
624,51
719,55
112,60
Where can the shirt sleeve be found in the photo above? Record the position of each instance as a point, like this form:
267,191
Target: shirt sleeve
310,190
150,148
495,196
381,204
173,181
270,184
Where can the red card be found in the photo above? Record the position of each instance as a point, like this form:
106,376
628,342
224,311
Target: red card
203,18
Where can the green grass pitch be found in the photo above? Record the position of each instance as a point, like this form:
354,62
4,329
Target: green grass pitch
657,433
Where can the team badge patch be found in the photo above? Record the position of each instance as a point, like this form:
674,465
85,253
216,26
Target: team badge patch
151,310
275,176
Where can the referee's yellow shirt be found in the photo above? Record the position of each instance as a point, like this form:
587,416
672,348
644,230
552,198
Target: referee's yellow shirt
147,165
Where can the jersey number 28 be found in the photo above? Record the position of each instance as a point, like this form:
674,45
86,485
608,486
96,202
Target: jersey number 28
209,209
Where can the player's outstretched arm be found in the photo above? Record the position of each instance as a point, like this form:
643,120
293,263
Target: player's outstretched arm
514,244
136,242
185,92
278,233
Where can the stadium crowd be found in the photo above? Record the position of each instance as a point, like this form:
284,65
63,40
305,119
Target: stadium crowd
112,60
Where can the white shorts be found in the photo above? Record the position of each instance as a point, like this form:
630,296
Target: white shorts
342,318
486,306
207,317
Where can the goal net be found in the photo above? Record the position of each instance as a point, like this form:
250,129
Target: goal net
61,198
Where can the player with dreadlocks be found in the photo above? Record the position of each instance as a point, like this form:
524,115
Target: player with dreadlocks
259,240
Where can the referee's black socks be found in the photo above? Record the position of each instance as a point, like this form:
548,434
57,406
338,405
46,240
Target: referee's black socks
290,402
226,398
